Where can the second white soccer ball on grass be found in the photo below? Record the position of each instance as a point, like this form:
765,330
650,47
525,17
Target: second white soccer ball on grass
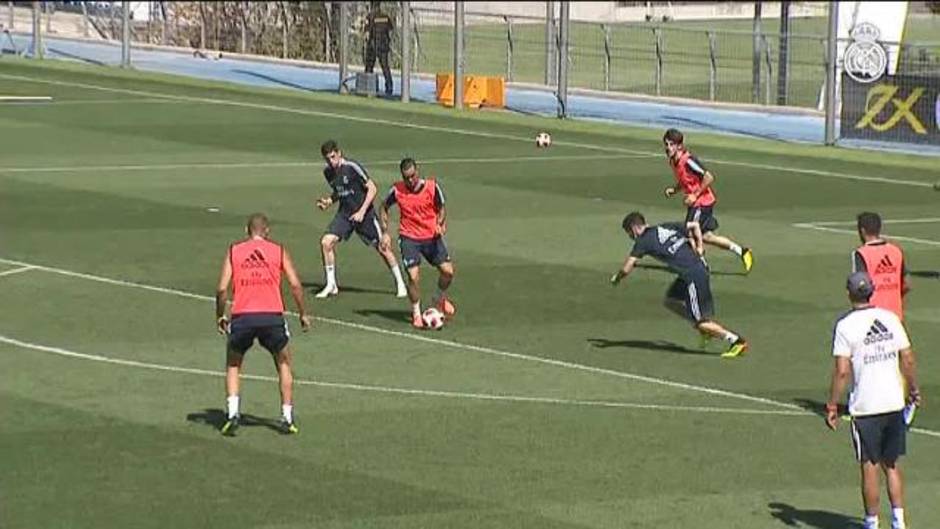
543,140
433,319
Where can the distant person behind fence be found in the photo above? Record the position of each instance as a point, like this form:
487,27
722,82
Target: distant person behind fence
379,27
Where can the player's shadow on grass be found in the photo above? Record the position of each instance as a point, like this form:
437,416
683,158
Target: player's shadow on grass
657,345
215,418
817,407
668,270
316,287
794,517
395,315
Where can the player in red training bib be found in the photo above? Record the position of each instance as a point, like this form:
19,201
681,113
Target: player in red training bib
254,268
421,231
695,182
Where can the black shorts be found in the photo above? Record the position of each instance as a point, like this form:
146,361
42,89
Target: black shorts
434,250
270,330
879,438
368,230
704,215
694,290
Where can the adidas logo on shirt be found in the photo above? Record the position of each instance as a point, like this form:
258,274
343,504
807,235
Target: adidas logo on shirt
255,260
885,266
877,333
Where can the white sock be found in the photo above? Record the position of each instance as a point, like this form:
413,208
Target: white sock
731,337
396,273
330,274
897,515
287,411
416,308
736,249
871,522
232,404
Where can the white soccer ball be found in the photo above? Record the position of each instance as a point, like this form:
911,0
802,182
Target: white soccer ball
433,319
543,139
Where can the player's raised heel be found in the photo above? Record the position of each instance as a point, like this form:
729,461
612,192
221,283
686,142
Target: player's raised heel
747,257
445,306
231,426
328,291
288,427
737,349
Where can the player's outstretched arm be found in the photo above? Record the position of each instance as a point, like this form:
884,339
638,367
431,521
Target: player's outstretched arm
624,271
221,295
296,290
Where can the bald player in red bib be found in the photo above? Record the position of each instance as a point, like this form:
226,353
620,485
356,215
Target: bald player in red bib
422,224
254,268
695,182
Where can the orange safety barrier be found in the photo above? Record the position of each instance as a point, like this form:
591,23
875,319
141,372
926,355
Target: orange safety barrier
477,91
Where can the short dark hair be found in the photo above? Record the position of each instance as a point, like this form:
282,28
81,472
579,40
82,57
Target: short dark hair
328,147
869,222
632,219
407,163
674,136
256,224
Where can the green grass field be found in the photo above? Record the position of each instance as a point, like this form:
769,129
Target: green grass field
552,401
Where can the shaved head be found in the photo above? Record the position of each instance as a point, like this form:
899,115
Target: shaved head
257,224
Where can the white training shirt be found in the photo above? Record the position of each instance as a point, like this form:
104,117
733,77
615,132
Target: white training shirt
872,338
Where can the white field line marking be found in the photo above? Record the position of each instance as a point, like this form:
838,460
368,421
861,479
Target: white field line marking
17,270
50,103
260,106
923,220
396,390
169,167
812,226
438,341
789,409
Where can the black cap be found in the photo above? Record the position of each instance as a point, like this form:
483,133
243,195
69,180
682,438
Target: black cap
860,285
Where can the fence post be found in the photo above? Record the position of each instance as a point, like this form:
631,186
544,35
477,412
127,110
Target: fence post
405,52
125,34
756,60
13,16
84,19
343,45
284,30
606,29
458,55
712,66
564,23
549,43
243,17
768,89
831,66
659,60
783,63
509,49
49,10
37,33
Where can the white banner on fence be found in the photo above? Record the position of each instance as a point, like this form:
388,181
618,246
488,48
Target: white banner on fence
881,21
869,37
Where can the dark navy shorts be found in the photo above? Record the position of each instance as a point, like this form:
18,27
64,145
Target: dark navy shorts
694,290
368,230
269,329
704,215
434,250
879,438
